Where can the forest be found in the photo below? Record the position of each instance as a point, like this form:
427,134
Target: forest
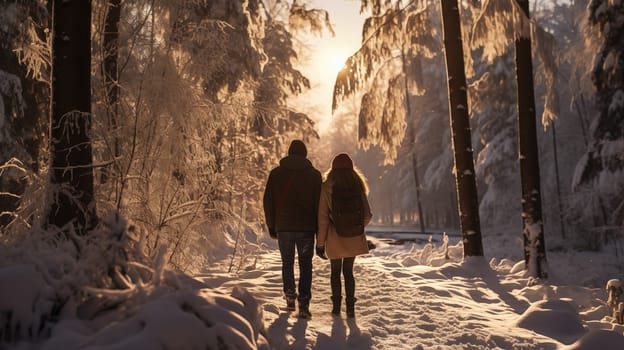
150,126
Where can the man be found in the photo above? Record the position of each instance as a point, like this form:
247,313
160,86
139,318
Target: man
291,201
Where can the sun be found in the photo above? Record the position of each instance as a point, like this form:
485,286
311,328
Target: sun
336,61
331,62
321,67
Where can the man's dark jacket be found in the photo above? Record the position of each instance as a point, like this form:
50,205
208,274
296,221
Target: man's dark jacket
291,196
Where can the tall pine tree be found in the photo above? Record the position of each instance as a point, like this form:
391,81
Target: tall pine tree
532,225
71,171
460,130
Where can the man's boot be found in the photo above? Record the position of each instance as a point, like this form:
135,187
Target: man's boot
351,307
304,310
336,304
290,302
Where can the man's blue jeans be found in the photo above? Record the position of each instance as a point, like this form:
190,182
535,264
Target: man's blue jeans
304,243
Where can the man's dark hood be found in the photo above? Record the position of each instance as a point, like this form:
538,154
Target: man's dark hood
295,162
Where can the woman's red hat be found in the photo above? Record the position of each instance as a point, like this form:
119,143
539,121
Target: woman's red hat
342,161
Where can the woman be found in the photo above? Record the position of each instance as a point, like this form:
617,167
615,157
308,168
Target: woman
341,250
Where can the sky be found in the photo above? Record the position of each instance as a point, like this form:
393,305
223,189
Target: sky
328,55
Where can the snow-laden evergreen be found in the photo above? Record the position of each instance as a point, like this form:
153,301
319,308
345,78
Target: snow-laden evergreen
599,176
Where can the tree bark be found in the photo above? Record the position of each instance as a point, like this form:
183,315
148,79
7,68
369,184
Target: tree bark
110,74
557,179
532,225
408,107
71,172
467,198
421,217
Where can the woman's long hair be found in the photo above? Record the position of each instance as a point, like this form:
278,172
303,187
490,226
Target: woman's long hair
347,179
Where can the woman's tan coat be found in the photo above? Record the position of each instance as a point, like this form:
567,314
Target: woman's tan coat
338,246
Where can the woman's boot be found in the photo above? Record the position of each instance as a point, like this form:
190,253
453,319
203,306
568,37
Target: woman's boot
336,304
351,307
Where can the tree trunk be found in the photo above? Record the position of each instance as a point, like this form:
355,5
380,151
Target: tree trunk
421,218
532,225
110,74
460,131
71,174
558,182
580,108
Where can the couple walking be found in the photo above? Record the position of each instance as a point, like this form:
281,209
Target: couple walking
298,208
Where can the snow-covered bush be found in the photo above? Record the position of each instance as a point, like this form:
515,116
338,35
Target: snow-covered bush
62,290
614,299
26,303
184,319
21,190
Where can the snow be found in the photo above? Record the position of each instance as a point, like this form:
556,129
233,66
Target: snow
23,292
614,283
557,319
11,89
617,102
414,291
8,18
579,169
182,320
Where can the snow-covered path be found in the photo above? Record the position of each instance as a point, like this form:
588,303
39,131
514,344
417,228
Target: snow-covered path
409,297
405,305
